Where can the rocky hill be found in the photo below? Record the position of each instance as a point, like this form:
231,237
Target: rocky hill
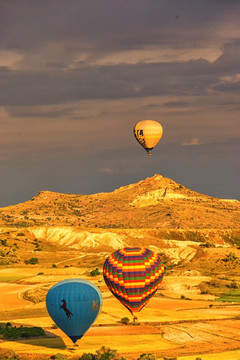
184,226
156,202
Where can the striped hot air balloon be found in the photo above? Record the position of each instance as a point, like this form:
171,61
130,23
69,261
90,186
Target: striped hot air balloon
148,133
133,275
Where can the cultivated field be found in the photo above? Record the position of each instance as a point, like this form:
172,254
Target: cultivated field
170,325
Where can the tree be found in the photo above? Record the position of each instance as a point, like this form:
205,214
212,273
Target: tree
107,354
95,272
32,261
87,356
125,320
148,356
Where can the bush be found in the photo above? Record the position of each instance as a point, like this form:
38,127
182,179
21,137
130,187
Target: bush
148,356
58,356
204,288
233,285
125,320
207,244
107,354
230,257
87,356
32,261
95,272
12,332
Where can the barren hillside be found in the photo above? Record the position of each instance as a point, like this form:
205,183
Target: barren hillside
156,202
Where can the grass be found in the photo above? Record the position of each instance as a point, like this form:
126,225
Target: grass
22,314
11,277
231,296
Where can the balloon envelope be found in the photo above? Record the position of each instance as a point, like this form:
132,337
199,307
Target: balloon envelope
148,133
133,275
73,305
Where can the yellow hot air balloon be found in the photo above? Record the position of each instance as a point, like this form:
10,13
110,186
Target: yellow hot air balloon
148,133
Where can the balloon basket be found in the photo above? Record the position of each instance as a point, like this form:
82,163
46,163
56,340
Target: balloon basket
135,319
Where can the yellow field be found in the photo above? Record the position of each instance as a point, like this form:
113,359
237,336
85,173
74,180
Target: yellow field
168,326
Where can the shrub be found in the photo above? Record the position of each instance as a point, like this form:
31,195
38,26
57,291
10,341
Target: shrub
230,257
148,356
32,261
54,265
204,288
58,356
13,332
207,244
215,283
87,356
95,272
107,354
233,285
125,320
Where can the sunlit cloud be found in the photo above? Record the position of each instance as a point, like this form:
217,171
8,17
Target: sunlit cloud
108,170
154,54
194,142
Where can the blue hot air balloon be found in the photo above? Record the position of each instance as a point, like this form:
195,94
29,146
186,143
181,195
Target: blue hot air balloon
73,305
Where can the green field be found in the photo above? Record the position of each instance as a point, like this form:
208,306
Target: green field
11,277
231,296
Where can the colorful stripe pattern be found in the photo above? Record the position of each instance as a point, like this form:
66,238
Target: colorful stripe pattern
133,275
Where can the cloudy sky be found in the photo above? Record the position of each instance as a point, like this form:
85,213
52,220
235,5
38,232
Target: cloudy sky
77,75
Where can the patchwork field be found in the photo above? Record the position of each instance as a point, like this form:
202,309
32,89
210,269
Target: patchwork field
168,326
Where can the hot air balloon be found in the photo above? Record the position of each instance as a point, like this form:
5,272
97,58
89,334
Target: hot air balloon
133,275
148,133
73,305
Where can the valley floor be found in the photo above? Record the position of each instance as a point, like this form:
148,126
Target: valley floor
169,325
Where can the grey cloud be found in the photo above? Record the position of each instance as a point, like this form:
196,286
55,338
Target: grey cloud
175,104
39,111
229,61
108,24
105,82
228,87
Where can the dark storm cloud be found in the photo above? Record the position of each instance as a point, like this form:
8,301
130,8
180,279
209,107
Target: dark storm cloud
33,111
100,27
175,104
229,87
229,60
105,82
23,87
27,24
